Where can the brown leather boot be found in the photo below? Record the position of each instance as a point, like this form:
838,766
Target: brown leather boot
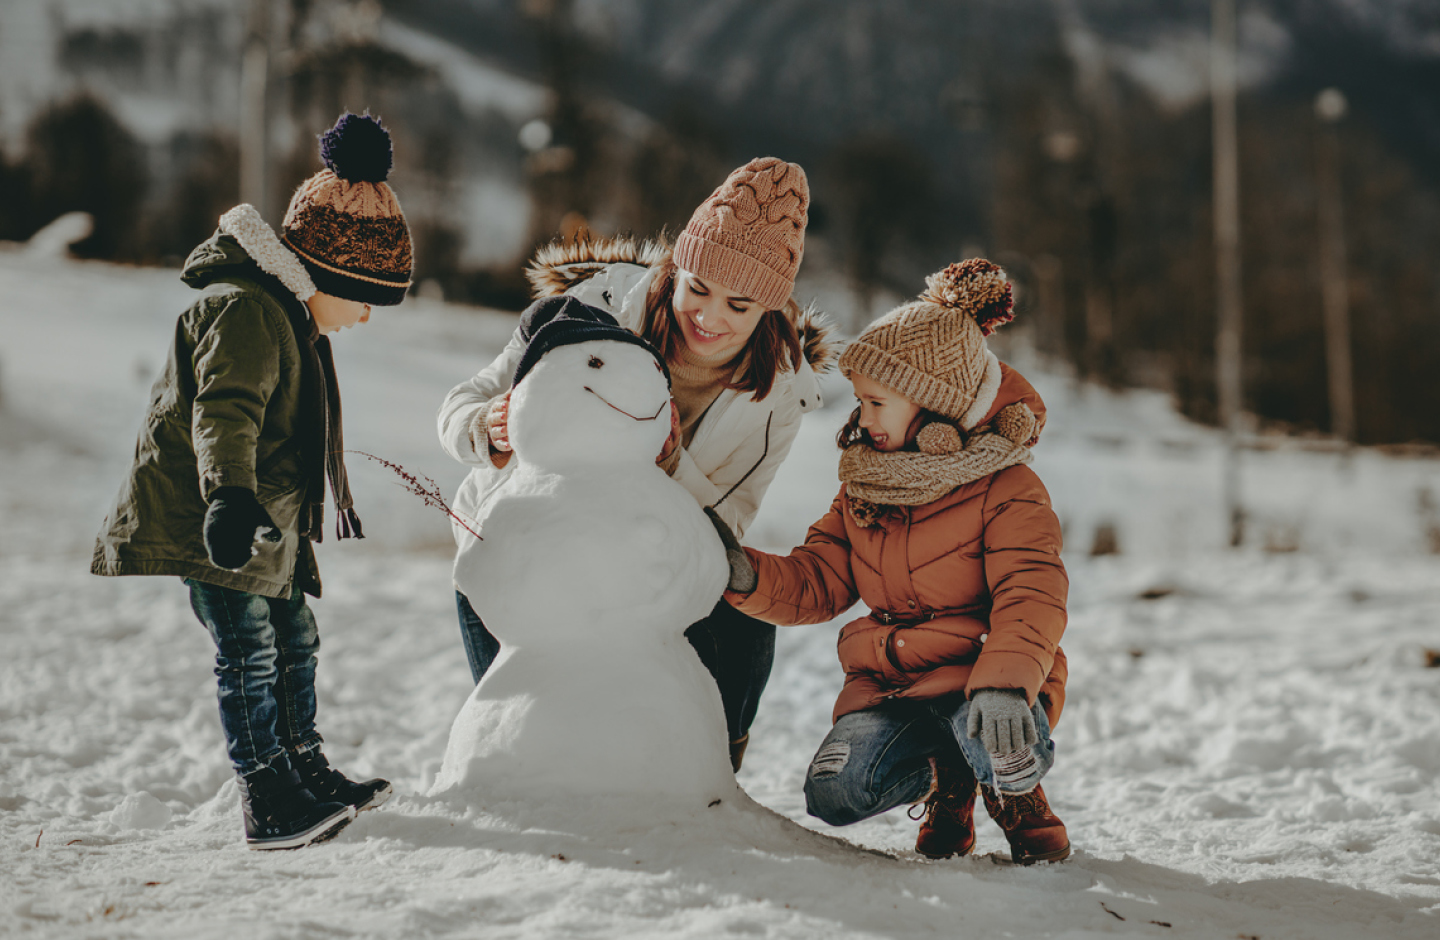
949,826
1034,832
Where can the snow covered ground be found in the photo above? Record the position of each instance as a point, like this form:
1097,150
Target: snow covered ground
1251,746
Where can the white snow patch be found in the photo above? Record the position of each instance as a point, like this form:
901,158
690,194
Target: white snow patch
141,811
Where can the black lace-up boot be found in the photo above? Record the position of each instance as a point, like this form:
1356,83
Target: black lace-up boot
280,813
327,783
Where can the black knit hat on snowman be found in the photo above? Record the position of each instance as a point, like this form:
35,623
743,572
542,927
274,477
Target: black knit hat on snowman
561,321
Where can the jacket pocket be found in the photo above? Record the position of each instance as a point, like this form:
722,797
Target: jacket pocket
275,561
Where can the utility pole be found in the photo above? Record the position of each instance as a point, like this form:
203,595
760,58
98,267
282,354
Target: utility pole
254,107
1330,107
1229,378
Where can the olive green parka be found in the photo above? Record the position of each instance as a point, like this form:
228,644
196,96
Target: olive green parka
228,410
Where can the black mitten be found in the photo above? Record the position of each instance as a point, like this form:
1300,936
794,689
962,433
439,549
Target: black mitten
232,523
742,574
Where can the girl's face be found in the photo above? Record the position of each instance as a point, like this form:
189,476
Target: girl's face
333,313
712,318
891,419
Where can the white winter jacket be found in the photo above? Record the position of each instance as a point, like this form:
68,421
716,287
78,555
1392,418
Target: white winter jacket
729,442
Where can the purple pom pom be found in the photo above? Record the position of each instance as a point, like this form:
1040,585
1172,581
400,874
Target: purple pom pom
357,149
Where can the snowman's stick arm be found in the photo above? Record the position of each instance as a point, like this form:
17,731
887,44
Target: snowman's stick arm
763,454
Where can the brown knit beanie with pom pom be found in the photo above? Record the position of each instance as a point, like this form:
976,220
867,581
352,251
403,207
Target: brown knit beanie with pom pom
749,236
933,350
345,223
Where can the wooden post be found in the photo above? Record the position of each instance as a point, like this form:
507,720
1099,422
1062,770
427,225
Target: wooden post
1330,107
254,107
1229,378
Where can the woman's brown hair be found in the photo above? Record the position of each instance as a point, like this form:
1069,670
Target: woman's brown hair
774,344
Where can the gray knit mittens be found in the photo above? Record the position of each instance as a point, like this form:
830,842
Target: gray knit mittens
1002,721
742,574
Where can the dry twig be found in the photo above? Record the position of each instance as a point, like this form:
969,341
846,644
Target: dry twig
423,487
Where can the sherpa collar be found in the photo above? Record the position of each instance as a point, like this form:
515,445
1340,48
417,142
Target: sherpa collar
244,224
984,395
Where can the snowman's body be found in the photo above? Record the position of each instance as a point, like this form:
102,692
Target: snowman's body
592,563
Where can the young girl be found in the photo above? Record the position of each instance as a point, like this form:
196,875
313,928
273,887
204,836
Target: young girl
956,674
742,357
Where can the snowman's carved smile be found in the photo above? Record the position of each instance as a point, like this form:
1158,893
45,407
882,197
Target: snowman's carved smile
622,410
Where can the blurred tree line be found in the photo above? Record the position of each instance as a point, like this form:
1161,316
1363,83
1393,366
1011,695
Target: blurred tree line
1114,203
1098,204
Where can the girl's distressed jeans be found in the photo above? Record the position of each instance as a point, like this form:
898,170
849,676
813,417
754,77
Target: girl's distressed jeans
879,758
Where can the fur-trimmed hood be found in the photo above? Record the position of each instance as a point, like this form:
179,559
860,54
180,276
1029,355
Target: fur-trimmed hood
242,237
560,265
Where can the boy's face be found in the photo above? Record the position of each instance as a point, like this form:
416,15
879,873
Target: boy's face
890,418
333,313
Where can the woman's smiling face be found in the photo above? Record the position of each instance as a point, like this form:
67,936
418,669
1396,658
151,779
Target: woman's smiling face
888,417
712,318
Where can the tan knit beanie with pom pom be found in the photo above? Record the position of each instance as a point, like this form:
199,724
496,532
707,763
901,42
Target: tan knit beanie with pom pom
933,350
345,223
749,236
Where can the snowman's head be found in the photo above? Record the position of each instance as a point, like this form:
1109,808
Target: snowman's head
598,401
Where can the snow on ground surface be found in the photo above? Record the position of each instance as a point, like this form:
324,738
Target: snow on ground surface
1250,749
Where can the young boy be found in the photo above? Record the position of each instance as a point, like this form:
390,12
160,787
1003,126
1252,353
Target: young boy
227,487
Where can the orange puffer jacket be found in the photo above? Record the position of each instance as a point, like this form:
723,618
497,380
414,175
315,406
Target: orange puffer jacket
966,593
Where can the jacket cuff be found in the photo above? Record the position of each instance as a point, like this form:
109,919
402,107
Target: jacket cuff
1003,669
671,463
216,477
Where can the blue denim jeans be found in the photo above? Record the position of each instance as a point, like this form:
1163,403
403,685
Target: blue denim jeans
265,663
879,758
481,647
738,650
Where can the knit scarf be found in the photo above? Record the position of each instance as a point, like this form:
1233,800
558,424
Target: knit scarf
876,480
324,440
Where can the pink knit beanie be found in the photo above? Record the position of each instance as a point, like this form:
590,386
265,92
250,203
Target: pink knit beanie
750,234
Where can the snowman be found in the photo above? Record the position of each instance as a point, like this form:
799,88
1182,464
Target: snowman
590,565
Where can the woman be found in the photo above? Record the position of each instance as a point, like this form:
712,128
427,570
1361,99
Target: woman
743,360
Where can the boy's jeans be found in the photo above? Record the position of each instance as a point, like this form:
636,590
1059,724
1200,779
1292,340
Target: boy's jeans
265,663
879,758
738,650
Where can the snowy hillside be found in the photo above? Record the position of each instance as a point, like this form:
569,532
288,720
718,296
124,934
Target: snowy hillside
1251,745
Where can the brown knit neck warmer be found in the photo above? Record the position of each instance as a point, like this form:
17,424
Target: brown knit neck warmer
725,360
876,481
